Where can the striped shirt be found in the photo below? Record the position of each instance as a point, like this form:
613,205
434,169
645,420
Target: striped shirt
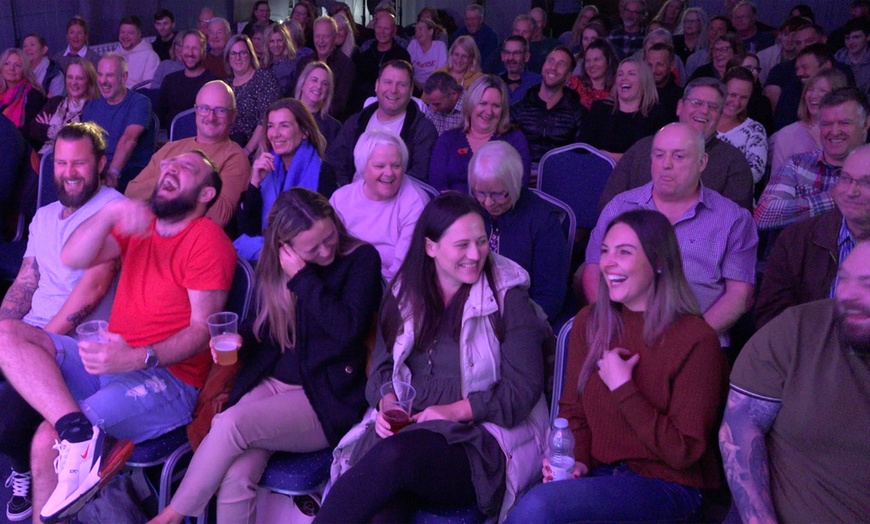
845,244
800,189
717,240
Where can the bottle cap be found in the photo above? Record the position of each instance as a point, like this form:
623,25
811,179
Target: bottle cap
561,423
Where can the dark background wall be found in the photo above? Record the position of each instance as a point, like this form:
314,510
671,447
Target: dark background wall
48,17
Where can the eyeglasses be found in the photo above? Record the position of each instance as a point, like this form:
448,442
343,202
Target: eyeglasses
863,184
238,54
219,112
753,69
722,49
481,196
698,103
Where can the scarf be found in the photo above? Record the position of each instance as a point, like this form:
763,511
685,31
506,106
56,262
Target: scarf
304,171
12,103
68,111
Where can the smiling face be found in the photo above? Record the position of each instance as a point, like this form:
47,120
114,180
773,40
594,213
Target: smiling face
319,244
459,60
739,92
383,173
852,200
276,45
556,69
660,64
743,19
217,36
701,109
856,42
212,128
12,69
315,89
191,52
129,36
76,38
806,66
486,114
76,171
283,132
722,52
460,254
513,58
625,268
385,29
815,92
324,39
675,163
473,21
393,90
595,63
853,299
804,37
627,82
842,128
110,79
76,81
33,50
262,13
240,59
179,189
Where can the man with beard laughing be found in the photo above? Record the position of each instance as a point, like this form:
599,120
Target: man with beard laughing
48,295
794,438
140,378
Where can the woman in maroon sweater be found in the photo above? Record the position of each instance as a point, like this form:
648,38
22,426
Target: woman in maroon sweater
643,390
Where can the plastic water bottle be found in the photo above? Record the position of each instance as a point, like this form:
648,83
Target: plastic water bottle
561,450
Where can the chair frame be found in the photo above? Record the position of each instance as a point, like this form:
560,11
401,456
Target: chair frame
175,119
560,366
572,218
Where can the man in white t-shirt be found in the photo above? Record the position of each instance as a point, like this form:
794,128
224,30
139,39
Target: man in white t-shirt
49,295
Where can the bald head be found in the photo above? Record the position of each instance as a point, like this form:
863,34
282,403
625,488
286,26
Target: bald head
215,112
676,162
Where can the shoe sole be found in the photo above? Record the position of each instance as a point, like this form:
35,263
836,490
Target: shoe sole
17,517
110,463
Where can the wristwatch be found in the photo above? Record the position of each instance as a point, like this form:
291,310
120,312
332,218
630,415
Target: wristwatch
151,360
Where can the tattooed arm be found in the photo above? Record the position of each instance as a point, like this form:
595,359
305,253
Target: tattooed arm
85,296
18,298
744,454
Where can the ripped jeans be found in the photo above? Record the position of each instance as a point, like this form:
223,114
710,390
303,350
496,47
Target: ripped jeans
139,405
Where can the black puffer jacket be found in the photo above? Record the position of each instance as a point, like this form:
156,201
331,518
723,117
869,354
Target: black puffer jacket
547,129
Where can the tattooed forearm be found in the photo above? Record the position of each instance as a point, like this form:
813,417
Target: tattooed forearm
19,296
79,316
744,454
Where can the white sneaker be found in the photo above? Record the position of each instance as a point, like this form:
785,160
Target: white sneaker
82,468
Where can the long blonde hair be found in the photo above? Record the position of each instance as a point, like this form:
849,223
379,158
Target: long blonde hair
669,297
648,94
296,210
26,73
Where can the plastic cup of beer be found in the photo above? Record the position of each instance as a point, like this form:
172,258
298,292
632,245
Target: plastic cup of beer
224,328
93,331
396,400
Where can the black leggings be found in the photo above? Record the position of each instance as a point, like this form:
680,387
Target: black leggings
398,476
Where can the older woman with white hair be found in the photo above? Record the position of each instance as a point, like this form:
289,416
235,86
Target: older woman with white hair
520,225
381,206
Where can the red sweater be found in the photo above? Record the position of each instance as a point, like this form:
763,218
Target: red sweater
662,423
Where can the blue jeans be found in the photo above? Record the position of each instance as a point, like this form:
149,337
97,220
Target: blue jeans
139,405
607,494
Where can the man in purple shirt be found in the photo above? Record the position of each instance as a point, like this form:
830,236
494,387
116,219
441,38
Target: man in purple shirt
717,237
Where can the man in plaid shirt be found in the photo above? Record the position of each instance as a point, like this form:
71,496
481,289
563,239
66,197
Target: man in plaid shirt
802,186
628,37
